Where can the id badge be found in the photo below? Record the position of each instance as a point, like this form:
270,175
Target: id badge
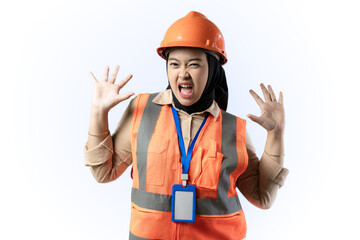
183,203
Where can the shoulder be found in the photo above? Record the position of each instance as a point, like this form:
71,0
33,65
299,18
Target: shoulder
143,105
241,129
228,116
160,98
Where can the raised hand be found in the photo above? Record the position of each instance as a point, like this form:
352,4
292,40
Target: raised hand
272,111
106,92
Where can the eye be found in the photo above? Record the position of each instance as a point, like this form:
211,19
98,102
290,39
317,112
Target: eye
194,65
173,64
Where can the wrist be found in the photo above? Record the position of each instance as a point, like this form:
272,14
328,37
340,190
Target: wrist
276,133
274,146
98,120
99,111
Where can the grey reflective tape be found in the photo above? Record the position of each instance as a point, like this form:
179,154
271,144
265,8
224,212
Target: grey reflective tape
220,206
204,206
228,148
146,129
153,201
133,237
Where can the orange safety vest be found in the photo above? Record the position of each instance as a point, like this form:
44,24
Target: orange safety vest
219,157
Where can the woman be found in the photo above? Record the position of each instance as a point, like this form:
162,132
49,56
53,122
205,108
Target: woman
188,154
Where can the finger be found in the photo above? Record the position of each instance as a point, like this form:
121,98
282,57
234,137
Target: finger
272,94
93,78
259,120
254,118
124,81
113,76
106,74
125,96
265,92
281,98
258,100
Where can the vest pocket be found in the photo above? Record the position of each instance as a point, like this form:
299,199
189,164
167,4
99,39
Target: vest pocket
156,161
149,224
210,170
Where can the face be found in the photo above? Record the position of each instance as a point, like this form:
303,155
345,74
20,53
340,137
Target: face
188,74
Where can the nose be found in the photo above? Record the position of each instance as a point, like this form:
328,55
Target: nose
183,73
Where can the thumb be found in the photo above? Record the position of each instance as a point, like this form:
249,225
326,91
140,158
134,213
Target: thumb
125,96
254,118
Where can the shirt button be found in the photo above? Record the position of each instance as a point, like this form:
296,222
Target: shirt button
187,139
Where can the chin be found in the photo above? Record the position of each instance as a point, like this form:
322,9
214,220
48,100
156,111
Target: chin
185,102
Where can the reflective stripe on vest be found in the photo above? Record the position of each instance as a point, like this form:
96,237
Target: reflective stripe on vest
147,125
133,237
222,205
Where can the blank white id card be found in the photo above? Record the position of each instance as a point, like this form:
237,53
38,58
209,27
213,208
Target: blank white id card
183,203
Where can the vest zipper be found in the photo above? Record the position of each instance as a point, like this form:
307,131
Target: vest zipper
177,231
178,225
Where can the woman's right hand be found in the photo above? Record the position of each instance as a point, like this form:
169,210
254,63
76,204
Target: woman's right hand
106,92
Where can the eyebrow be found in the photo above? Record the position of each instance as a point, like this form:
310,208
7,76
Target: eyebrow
192,59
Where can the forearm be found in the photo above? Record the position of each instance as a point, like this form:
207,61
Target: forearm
262,179
98,128
271,177
110,155
99,147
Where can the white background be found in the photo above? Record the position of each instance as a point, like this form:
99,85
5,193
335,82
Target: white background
308,49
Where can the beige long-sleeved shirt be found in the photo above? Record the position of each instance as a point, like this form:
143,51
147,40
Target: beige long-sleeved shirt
259,183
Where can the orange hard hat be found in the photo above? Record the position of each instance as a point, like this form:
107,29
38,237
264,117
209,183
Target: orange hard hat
194,30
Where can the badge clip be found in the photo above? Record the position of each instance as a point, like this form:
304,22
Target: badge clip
184,178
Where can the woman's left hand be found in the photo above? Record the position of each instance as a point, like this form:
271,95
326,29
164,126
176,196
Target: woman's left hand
272,111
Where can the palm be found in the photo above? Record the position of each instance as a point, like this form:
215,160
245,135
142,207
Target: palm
272,112
106,92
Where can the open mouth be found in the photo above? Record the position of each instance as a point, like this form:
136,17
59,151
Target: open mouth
185,90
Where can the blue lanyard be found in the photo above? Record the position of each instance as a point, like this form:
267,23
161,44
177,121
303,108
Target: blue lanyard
185,158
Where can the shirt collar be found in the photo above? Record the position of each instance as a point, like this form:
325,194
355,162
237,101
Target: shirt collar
165,98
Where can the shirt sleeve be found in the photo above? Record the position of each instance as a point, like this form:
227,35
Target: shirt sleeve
112,156
262,178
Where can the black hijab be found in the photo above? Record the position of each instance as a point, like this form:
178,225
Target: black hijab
215,88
